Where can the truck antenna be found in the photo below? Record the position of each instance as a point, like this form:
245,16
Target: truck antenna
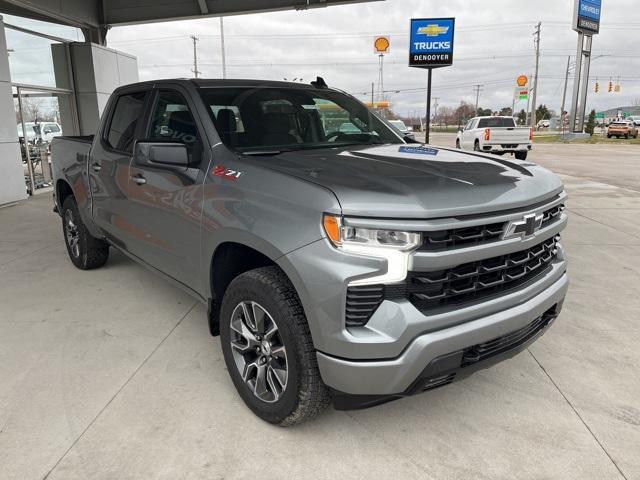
319,83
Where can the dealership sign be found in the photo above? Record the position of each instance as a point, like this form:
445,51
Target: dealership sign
431,42
586,16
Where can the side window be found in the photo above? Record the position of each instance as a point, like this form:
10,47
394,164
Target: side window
123,125
172,121
468,125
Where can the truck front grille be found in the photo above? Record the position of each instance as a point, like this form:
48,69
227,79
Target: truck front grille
476,235
472,281
431,291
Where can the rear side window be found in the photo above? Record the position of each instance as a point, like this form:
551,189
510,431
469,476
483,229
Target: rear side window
496,122
124,121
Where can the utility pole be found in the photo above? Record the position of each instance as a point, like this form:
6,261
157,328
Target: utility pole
535,76
477,89
381,77
435,108
564,95
195,70
373,86
224,57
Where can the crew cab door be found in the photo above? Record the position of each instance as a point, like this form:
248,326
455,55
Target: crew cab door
468,138
109,162
165,198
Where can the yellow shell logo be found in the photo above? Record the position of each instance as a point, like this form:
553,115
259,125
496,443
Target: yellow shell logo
381,44
433,30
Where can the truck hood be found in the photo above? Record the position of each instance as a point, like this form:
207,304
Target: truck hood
418,181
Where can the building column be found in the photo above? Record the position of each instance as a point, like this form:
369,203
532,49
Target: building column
12,184
97,72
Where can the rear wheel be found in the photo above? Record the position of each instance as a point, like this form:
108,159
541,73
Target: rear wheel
521,155
476,146
268,348
86,252
608,136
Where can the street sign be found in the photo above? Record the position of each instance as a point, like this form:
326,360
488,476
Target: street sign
522,81
586,16
381,45
431,42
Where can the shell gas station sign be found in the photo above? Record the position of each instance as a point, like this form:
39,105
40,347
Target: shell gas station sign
381,44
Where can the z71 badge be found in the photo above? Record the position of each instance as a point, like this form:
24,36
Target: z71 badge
226,173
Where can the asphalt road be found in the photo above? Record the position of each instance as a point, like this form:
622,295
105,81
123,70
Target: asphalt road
111,374
613,164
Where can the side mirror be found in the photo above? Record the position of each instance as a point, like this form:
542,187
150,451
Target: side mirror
161,153
46,131
460,129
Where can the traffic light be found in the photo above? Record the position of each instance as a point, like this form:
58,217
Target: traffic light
610,87
597,87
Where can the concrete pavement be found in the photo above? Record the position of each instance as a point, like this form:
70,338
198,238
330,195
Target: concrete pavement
112,374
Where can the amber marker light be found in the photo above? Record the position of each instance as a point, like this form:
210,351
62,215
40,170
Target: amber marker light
331,225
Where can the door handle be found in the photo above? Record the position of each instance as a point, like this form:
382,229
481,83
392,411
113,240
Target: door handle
97,167
139,179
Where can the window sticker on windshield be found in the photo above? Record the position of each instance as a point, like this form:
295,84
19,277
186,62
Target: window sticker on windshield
419,150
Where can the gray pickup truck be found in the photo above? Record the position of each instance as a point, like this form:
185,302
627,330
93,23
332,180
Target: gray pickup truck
338,264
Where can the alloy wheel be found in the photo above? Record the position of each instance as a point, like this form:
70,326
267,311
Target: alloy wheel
71,233
258,350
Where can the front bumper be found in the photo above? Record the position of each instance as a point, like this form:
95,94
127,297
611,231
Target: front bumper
437,358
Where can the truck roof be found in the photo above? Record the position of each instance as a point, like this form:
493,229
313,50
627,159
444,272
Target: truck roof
218,82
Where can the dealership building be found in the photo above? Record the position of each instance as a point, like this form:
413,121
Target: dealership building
71,78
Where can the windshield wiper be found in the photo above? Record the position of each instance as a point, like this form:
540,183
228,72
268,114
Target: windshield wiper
258,153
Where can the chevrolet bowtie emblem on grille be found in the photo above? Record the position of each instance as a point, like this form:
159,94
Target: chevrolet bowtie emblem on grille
524,228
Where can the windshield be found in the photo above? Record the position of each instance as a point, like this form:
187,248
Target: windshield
255,119
399,124
496,122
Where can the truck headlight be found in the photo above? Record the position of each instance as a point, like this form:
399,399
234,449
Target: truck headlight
391,245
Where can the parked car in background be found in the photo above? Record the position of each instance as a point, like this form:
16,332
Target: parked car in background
544,124
49,131
42,132
635,119
403,129
336,264
497,135
33,134
622,128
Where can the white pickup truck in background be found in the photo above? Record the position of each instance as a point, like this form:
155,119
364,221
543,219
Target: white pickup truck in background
497,135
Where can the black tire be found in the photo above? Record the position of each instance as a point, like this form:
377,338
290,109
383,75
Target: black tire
458,146
520,155
86,252
626,136
476,146
304,395
608,136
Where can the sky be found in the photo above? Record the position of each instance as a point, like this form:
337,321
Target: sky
494,44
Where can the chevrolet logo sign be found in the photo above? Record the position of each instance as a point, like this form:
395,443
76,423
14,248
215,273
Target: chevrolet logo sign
524,228
433,30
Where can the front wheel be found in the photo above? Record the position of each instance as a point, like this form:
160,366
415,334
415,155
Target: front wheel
521,155
86,252
268,349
